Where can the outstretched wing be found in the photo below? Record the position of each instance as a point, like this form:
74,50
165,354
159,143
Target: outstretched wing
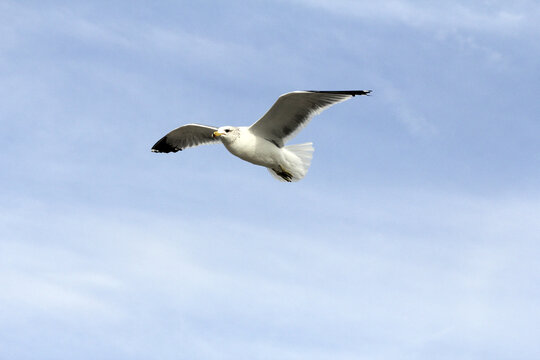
184,137
292,111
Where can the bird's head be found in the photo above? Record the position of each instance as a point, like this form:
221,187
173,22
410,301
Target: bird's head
227,133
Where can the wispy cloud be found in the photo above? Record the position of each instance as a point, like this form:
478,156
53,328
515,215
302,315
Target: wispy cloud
500,17
431,267
415,122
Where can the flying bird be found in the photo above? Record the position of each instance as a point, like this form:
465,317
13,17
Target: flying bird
263,143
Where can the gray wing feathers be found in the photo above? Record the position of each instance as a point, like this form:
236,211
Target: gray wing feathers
292,111
184,137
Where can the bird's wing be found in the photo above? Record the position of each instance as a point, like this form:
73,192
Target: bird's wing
292,111
184,137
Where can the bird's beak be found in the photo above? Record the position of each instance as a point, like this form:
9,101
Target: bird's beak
216,134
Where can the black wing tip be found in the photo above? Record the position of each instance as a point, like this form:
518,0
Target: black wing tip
344,92
162,146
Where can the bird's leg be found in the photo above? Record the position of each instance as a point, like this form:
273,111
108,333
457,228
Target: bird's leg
285,175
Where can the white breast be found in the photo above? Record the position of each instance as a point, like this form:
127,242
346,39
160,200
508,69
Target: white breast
254,149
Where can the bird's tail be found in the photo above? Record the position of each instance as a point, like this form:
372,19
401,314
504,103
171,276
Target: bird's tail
296,162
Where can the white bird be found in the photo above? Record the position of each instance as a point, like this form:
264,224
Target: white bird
263,142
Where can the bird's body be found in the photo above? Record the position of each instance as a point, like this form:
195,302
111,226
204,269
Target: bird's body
251,148
263,142
259,151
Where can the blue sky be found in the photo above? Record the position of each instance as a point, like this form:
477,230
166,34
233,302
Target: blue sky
415,234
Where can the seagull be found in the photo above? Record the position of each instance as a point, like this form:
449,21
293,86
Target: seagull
263,143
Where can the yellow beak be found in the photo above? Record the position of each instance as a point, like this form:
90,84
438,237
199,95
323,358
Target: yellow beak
216,134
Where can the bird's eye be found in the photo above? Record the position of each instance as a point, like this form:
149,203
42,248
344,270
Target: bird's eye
227,130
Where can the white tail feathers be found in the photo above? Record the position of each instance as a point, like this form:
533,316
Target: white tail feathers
296,162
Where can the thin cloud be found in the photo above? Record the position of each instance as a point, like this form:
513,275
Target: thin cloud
503,18
416,123
260,283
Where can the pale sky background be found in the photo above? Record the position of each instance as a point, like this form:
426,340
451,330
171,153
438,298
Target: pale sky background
415,235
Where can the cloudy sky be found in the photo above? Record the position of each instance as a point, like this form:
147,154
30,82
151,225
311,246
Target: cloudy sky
415,234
